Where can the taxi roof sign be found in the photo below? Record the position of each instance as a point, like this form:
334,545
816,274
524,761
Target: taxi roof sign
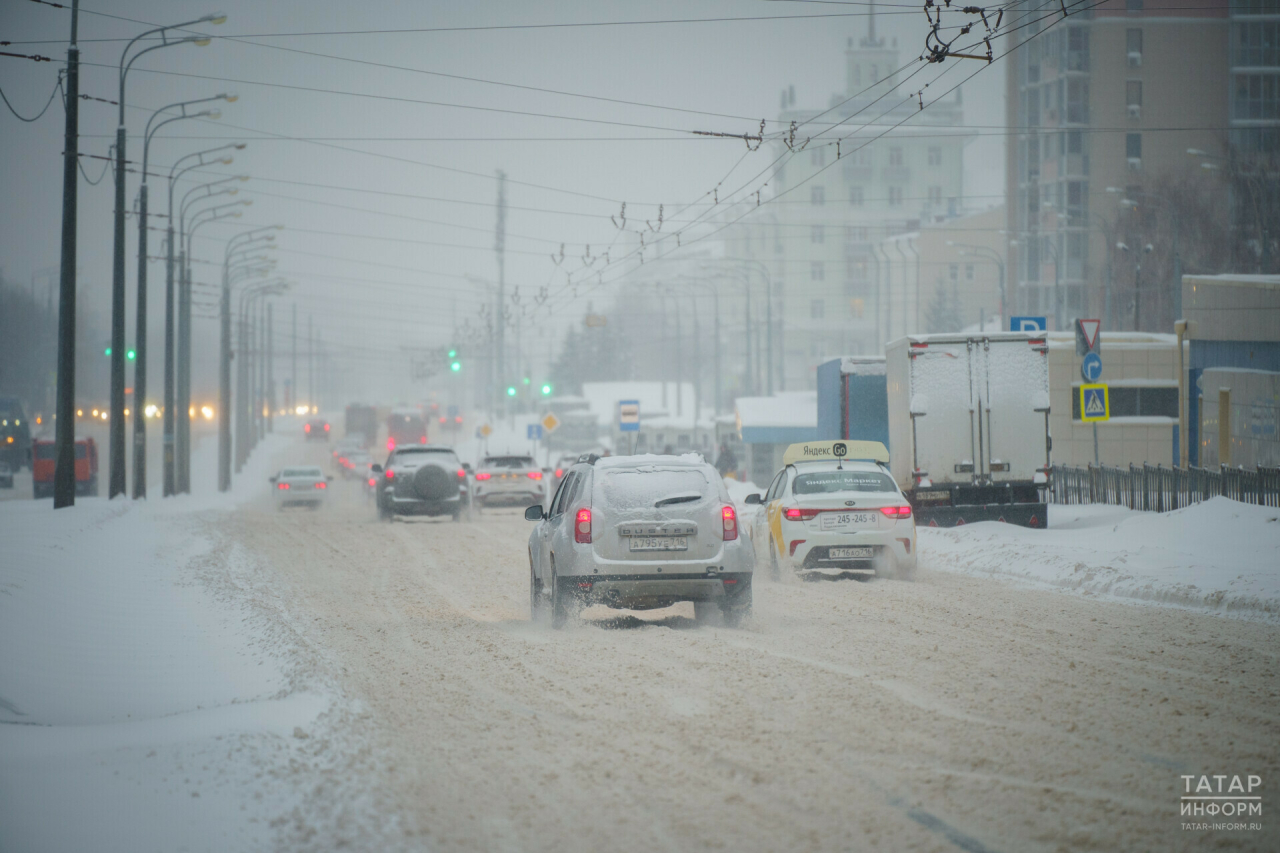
831,451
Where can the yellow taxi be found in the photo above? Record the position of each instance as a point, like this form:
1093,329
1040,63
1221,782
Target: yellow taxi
834,509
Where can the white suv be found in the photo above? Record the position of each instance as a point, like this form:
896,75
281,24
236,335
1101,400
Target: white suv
510,479
639,532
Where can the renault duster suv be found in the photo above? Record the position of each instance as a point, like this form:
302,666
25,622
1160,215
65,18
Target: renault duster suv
422,480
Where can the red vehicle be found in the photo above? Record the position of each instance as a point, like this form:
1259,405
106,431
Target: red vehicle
405,426
43,457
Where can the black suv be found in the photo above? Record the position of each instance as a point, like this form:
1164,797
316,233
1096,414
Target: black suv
422,480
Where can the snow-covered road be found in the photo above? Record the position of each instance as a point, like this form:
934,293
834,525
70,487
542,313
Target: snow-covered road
955,712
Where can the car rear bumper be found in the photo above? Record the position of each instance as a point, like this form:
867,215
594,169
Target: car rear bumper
649,591
815,552
417,506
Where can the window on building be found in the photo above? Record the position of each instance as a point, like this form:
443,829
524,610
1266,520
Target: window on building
1133,41
818,156
953,272
1133,93
818,195
895,196
1033,107
1255,44
817,309
895,156
875,74
1077,101
1133,146
1130,402
968,272
935,196
1075,142
1077,49
818,271
855,196
935,155
1257,96
817,234
1133,5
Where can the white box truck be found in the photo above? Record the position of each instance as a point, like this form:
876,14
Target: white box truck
969,426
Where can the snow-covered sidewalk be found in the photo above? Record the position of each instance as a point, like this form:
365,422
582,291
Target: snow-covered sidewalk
1220,555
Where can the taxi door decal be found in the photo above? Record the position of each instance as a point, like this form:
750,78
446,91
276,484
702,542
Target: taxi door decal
775,523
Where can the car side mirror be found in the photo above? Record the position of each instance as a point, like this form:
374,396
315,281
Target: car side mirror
754,498
534,513
273,478
329,478
375,468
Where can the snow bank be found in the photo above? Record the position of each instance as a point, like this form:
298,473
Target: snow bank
148,696
1219,555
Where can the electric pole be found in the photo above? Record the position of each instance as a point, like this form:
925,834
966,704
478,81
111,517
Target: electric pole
64,472
499,246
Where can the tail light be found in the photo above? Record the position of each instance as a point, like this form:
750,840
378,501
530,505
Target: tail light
582,526
559,473
896,511
483,475
458,419
730,518
322,485
326,427
391,444
535,475
306,427
462,473
797,514
390,474
422,439
282,485
373,481
442,419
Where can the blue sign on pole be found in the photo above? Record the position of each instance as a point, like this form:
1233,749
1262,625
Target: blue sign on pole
534,432
628,416
1027,324
1091,367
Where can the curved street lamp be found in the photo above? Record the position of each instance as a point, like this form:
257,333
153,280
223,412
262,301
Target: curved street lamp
116,476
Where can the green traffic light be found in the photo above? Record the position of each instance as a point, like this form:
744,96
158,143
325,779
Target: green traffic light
453,353
107,351
526,380
456,366
131,355
511,390
546,389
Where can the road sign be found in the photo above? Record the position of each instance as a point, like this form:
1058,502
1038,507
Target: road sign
534,432
1027,324
596,321
628,415
550,422
486,430
1091,367
1087,335
1094,405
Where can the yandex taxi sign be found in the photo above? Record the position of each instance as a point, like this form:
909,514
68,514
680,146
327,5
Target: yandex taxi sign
831,451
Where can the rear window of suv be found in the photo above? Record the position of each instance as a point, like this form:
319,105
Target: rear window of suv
828,482
509,462
647,486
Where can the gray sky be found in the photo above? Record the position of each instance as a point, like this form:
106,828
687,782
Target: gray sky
567,177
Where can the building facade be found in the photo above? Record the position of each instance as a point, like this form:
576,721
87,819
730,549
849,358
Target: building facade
1105,104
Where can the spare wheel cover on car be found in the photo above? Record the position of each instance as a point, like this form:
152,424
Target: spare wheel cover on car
433,483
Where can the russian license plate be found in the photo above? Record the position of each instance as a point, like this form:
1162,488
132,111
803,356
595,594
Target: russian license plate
659,543
845,520
850,553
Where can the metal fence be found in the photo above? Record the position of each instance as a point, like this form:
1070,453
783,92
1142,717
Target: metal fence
1159,489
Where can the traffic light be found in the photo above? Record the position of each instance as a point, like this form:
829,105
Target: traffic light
107,352
546,389
455,363
131,355
511,390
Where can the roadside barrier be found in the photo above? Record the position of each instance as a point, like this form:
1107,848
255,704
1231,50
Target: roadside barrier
1159,489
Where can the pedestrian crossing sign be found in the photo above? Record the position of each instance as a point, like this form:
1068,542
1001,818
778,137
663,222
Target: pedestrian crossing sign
1094,404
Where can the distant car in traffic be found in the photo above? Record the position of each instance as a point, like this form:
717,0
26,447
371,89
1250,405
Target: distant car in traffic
639,532
405,427
306,486
44,461
342,451
316,429
422,479
835,515
358,465
511,480
6,476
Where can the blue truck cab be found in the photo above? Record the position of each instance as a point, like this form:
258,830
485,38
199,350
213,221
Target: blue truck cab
852,401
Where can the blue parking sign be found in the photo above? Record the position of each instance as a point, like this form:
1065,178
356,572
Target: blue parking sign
534,432
1027,324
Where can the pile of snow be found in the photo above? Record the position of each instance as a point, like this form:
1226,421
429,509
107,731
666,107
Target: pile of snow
1219,555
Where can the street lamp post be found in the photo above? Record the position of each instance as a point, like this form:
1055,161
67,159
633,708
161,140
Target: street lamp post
116,446
140,333
244,406
1176,302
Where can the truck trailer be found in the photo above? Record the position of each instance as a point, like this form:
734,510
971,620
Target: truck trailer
851,399
969,426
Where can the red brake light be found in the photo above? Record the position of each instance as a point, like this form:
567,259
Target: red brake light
422,440
559,473
730,518
458,419
582,526
326,427
896,511
390,473
306,427
442,419
373,481
462,473
535,475
322,485
282,485
483,475
797,514
391,444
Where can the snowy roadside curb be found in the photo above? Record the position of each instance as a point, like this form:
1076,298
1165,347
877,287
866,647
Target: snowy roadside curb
1218,556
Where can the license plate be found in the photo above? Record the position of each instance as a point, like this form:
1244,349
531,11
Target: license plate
933,496
659,543
844,520
850,553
